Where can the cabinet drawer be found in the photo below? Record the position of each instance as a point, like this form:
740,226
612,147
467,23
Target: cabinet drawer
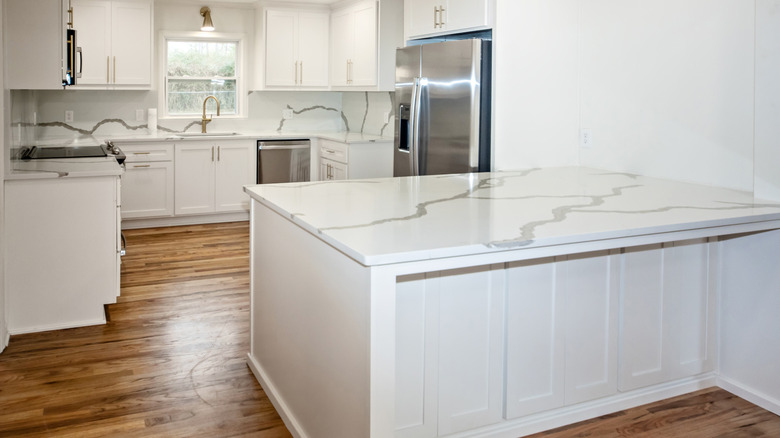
147,152
335,151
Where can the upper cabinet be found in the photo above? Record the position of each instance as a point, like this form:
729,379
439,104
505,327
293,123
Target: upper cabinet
349,46
116,42
35,43
425,18
296,48
354,45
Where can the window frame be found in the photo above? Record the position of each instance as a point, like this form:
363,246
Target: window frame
241,76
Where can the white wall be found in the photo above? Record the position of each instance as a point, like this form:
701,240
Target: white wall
3,143
666,87
535,104
767,152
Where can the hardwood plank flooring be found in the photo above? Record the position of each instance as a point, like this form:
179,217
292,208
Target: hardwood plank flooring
171,362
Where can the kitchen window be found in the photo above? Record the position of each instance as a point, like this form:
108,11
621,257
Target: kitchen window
197,67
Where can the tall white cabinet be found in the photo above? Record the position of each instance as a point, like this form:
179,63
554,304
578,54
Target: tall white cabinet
116,42
296,48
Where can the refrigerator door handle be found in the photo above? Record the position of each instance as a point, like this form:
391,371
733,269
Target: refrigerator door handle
415,128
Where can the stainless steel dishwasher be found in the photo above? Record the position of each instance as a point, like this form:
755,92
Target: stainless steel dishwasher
283,160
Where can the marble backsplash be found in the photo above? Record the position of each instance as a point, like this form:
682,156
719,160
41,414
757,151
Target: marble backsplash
41,114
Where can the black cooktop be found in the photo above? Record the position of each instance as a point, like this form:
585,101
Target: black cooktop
49,152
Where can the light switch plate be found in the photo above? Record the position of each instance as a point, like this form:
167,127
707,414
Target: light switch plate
68,115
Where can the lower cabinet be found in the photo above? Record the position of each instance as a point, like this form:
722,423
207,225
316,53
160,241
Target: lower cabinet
147,184
487,345
668,308
209,177
340,161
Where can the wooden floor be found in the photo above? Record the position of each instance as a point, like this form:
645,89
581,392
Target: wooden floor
172,361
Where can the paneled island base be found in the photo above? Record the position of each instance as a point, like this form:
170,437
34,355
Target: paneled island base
616,291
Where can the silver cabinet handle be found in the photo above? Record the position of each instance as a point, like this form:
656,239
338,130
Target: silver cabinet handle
441,16
212,153
142,165
219,152
435,17
108,69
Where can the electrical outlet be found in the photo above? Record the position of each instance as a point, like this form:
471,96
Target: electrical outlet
139,115
68,115
586,138
287,114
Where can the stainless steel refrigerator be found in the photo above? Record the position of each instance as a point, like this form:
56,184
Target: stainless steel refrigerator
442,98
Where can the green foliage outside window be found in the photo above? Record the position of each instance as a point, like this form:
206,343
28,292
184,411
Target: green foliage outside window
197,69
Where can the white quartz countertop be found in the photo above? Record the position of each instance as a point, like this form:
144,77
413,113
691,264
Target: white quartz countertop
344,137
63,168
394,220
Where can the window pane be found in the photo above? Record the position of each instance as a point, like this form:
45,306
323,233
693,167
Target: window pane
201,59
185,96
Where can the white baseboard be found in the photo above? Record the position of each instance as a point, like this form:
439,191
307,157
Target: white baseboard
758,398
46,328
196,219
585,411
270,390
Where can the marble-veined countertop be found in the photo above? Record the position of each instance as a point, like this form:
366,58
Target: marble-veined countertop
393,220
83,167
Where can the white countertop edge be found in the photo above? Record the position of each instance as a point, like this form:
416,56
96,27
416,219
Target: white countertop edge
586,241
339,136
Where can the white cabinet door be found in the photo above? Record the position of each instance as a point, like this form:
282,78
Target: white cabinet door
354,45
235,168
280,48
449,354
194,176
296,51
131,33
332,170
421,17
92,20
34,34
313,49
147,190
535,338
342,37
466,14
364,56
667,315
432,17
591,315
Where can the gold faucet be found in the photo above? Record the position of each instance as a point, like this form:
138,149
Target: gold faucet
205,120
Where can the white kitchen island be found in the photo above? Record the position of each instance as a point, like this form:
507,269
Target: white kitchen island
501,304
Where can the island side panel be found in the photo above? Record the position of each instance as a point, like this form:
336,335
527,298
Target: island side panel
310,329
749,321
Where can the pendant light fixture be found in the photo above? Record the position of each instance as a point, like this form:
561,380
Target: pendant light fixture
208,26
